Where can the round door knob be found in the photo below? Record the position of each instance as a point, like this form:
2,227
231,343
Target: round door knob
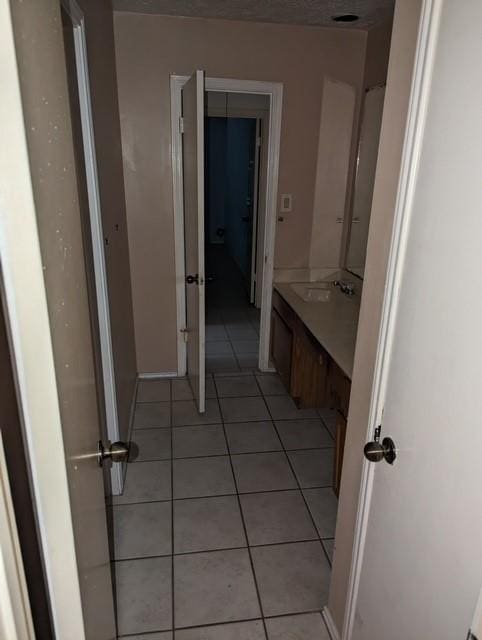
115,452
373,451
376,451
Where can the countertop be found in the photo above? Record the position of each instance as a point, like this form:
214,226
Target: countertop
334,323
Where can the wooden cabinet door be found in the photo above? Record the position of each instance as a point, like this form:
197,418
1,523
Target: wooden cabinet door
281,347
338,389
309,371
339,448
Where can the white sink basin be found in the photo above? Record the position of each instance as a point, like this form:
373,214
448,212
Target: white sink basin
313,291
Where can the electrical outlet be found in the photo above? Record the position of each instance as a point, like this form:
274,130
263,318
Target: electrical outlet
286,203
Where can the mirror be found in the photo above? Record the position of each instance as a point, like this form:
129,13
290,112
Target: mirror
367,155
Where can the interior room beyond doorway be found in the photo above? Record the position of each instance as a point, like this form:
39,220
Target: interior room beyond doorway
235,182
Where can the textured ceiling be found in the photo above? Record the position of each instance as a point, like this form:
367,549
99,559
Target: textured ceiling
305,12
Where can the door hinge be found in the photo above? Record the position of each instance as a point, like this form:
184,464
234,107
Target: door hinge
181,124
376,435
185,334
259,141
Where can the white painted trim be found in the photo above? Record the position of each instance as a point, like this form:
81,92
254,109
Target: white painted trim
200,396
178,202
15,614
330,624
27,317
254,222
275,91
420,93
101,288
157,375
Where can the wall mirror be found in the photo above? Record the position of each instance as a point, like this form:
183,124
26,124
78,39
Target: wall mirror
357,235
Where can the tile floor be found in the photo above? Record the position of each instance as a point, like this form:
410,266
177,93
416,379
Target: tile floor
232,324
225,528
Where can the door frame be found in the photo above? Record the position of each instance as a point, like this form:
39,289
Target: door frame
15,615
95,214
254,231
275,92
419,97
27,317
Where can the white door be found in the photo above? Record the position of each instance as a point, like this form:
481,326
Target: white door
421,571
44,290
74,24
193,181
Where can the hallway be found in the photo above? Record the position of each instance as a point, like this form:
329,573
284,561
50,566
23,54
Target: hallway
232,323
225,528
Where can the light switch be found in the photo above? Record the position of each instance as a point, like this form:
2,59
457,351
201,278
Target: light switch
286,203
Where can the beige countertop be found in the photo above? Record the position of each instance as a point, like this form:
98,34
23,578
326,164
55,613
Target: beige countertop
334,323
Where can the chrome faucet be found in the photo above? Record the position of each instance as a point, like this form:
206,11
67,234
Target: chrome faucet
345,287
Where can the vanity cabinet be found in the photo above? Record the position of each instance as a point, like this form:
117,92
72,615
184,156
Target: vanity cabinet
340,436
301,362
309,373
338,389
281,347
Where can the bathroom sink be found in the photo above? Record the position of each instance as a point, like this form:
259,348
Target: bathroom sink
313,291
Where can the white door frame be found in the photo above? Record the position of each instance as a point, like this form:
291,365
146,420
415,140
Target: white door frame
27,317
97,235
275,92
254,221
15,614
418,103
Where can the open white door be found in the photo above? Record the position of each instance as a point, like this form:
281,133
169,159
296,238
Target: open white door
45,296
193,181
421,550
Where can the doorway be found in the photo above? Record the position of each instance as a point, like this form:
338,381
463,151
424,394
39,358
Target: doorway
272,94
235,171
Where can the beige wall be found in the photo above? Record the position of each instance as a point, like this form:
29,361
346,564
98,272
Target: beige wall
386,183
339,114
377,54
149,49
105,111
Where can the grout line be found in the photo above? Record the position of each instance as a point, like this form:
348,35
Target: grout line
220,495
226,623
224,455
260,604
301,491
173,609
219,549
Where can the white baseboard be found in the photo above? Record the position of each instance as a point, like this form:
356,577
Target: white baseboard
157,374
330,624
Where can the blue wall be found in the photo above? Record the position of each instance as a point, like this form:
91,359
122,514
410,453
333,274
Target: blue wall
230,152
